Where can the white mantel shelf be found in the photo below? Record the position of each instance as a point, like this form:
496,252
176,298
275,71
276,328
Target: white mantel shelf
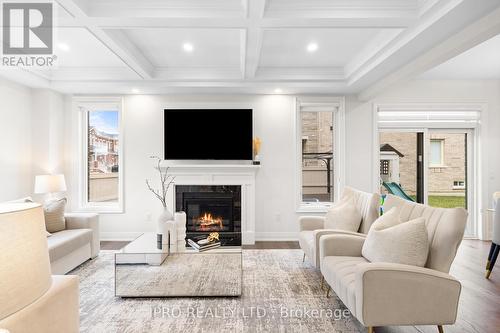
221,174
221,167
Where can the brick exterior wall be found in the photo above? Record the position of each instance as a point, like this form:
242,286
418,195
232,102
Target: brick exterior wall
317,137
440,179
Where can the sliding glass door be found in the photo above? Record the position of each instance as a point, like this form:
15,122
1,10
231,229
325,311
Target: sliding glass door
430,166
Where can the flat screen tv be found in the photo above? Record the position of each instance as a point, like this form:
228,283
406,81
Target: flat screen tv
208,134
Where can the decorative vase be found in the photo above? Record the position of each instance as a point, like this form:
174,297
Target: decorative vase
163,226
166,215
180,223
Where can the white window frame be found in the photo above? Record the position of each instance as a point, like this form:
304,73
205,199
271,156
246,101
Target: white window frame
470,123
321,104
82,107
441,162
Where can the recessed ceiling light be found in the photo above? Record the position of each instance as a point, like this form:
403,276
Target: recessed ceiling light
312,47
63,47
278,91
135,91
188,47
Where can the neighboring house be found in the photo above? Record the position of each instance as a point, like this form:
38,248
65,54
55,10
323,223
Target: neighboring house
103,151
103,166
446,154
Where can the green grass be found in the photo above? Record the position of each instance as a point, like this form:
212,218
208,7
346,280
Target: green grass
445,201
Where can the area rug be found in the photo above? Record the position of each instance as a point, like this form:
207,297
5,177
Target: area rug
280,294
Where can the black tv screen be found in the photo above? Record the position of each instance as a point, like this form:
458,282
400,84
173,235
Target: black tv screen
209,134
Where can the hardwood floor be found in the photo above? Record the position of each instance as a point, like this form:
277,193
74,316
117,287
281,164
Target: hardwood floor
479,309
272,245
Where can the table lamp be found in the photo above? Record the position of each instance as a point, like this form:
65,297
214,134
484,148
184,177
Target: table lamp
50,184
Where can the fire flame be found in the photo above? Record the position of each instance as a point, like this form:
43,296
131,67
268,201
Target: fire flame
208,222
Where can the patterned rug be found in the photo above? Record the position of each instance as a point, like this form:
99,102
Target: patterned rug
280,294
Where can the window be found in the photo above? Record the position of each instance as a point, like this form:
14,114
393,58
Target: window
101,178
318,150
317,156
458,185
384,167
437,152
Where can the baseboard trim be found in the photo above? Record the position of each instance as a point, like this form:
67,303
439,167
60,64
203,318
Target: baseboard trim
276,236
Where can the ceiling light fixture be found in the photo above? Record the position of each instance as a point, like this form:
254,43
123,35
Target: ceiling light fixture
63,47
135,91
278,91
188,47
312,47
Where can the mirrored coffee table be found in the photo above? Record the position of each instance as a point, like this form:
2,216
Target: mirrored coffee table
143,270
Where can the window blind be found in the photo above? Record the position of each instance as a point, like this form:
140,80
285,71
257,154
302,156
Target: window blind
390,117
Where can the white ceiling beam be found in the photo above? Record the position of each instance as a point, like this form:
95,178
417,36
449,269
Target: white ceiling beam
116,41
123,48
166,8
474,34
253,38
236,23
200,83
300,73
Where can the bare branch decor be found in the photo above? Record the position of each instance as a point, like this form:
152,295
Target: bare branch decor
166,181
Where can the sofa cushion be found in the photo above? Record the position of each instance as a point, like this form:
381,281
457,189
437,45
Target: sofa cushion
445,228
390,240
343,216
66,241
54,215
339,273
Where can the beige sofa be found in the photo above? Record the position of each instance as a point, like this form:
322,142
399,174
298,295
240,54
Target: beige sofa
31,299
384,294
76,244
312,227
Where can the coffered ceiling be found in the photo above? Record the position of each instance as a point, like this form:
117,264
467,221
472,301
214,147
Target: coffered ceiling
256,46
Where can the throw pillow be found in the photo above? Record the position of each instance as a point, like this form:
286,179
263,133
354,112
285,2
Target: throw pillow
54,215
390,240
343,216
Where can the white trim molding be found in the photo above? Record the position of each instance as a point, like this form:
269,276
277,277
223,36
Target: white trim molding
320,104
428,117
221,174
81,106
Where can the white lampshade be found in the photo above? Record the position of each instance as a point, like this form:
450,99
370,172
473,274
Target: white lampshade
50,183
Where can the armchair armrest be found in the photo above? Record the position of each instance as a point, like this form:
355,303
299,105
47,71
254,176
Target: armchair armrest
395,294
86,221
341,244
311,222
323,232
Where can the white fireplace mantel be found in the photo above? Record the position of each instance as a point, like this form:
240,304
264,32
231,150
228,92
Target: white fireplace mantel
222,174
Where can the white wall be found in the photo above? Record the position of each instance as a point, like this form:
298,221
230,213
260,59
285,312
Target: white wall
274,124
34,139
359,129
47,131
15,141
143,136
31,137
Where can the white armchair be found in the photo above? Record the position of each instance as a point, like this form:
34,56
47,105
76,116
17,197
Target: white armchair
31,299
385,294
313,227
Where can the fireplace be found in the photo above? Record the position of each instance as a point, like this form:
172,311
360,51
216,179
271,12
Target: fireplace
211,208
